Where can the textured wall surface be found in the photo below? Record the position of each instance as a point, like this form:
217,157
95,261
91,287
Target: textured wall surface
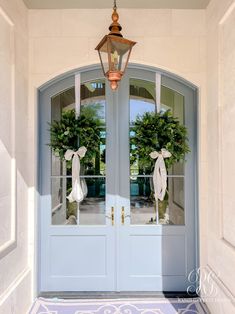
220,144
15,275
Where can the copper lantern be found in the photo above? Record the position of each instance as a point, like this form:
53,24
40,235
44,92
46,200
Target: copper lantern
114,52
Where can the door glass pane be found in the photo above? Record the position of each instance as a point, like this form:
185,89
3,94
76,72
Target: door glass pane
173,101
171,209
92,208
142,98
63,101
143,209
93,105
143,205
91,211
58,199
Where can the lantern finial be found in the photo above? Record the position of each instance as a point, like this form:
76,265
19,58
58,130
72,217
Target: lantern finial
115,28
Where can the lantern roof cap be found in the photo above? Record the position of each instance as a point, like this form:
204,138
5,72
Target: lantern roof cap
122,40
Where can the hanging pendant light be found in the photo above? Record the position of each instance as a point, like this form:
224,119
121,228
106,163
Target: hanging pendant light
114,51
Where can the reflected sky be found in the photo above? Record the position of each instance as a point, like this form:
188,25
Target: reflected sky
138,107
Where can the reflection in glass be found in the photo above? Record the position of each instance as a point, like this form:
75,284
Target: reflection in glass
96,165
142,98
92,209
58,201
171,100
143,205
63,101
56,166
143,209
93,105
171,209
93,99
177,169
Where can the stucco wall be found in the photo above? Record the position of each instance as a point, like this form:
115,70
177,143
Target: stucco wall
65,39
15,274
174,40
220,240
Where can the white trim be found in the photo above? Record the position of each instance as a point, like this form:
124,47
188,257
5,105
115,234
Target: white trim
158,80
11,288
77,93
221,137
227,14
10,244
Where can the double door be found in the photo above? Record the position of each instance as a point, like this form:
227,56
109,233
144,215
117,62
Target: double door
118,238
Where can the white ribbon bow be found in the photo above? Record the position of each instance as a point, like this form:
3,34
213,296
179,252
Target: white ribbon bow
160,174
79,188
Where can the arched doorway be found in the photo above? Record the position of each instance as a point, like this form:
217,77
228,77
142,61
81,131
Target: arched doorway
116,240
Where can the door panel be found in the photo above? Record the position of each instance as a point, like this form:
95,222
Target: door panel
77,251
157,240
151,246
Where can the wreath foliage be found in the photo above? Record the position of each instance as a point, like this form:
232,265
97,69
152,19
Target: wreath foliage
154,131
72,132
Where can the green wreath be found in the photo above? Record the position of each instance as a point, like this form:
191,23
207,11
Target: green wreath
154,131
72,132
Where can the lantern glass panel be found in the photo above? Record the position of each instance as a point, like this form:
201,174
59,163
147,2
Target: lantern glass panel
103,52
119,51
105,63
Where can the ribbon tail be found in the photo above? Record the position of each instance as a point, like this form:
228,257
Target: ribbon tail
155,181
159,179
76,193
163,178
84,187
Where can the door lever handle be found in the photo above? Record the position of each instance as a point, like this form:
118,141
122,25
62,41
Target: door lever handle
112,215
123,215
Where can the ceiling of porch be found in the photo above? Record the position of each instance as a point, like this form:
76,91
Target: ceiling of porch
99,4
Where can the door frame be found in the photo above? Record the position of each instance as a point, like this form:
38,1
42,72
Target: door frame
89,68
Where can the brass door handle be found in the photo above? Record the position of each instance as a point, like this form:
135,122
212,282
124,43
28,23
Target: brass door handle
111,216
123,216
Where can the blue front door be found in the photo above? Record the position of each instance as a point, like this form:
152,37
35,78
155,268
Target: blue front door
118,238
